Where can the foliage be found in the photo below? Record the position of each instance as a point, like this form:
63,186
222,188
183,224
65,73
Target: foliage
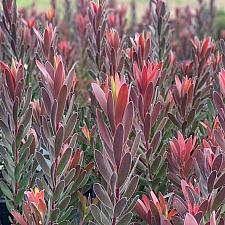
109,121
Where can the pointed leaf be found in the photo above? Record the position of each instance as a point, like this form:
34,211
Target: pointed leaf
121,103
118,144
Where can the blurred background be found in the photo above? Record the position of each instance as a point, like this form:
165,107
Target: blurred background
42,4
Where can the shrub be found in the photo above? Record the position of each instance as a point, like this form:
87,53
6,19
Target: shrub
109,121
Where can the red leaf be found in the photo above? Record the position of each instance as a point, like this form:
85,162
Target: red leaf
141,209
58,79
76,158
19,218
121,103
144,79
45,73
190,220
10,82
146,201
148,97
46,43
147,127
137,74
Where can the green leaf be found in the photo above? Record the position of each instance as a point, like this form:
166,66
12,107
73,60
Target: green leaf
125,219
55,215
42,162
9,205
25,167
5,190
64,202
20,196
59,141
24,156
24,181
131,187
132,204
59,190
19,135
64,162
17,173
27,144
70,176
70,125
65,222
66,214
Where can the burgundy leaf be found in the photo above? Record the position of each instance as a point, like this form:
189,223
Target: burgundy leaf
147,127
46,100
211,180
155,113
136,143
100,96
61,103
128,120
58,79
102,195
118,144
124,169
148,97
103,130
103,166
221,181
132,186
70,125
217,162
121,103
119,207
141,209
110,111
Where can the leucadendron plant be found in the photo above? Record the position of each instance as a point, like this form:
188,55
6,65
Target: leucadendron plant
118,159
154,210
34,209
18,139
59,155
151,109
96,38
150,120
192,89
112,120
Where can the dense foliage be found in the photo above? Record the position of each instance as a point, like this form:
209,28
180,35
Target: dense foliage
106,120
